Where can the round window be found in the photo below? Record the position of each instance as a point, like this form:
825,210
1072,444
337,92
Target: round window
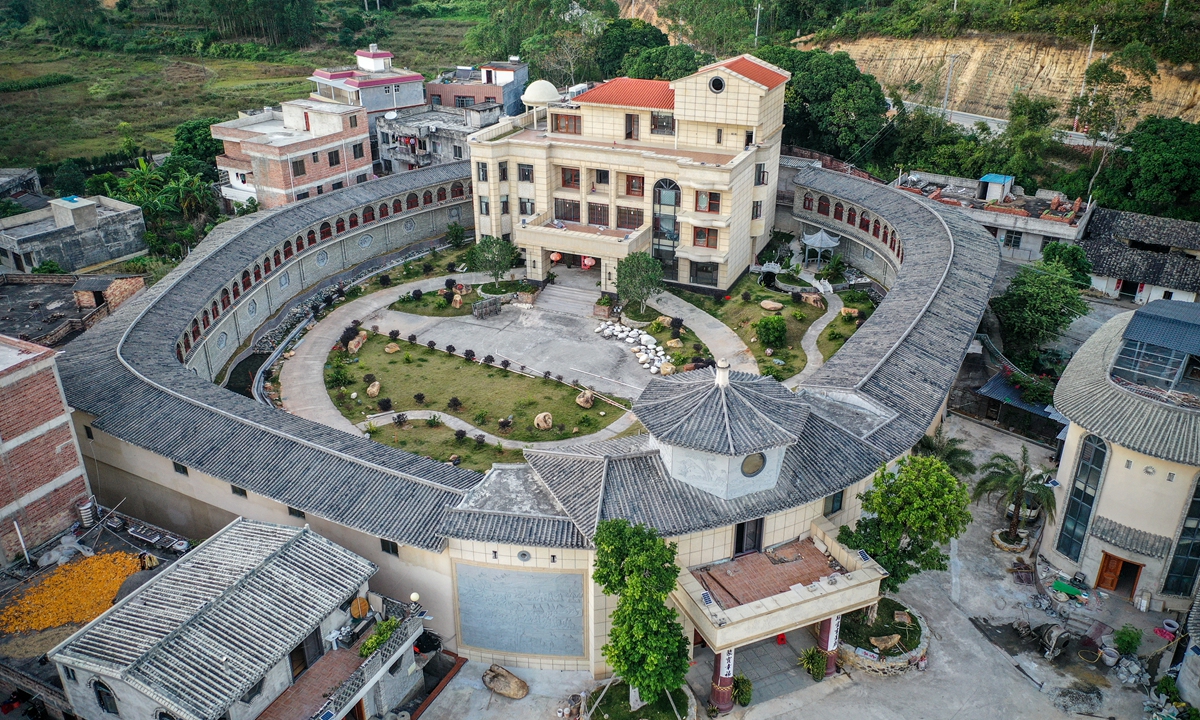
409,225
524,556
365,241
252,308
322,258
284,280
716,84
753,464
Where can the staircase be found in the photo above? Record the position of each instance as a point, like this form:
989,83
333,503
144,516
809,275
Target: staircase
567,300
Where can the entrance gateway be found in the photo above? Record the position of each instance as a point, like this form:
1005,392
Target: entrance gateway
1118,575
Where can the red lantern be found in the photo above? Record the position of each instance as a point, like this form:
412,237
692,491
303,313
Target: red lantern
587,263
555,257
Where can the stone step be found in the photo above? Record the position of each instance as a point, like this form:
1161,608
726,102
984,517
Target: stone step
568,300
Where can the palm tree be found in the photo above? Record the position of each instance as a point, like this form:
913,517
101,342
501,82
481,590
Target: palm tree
1014,481
949,450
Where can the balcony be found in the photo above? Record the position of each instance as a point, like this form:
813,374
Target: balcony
580,238
758,596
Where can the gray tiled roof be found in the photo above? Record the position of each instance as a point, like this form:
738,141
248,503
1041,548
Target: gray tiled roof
124,372
200,633
1088,396
1121,225
691,410
1123,536
1112,258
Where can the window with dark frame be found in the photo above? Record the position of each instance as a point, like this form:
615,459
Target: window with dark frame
705,237
566,210
569,124
503,169
720,135
756,210
361,178
635,185
240,492
296,513
503,204
570,178
335,186
179,468
631,126
833,503
662,123
353,121
597,214
709,202
88,431
458,152
760,174
484,206
482,172
1081,497
524,173
357,150
629,218
526,206
69,672
747,537
298,167
601,177
389,546
335,157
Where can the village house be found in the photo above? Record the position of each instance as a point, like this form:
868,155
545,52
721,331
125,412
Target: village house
498,82
1143,258
432,134
74,232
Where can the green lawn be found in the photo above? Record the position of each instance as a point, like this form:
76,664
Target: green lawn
855,632
434,305
440,444
740,315
835,335
615,705
488,394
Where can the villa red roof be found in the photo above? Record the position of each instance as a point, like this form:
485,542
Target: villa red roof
630,92
747,68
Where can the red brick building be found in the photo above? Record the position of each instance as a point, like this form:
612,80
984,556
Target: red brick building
303,149
41,470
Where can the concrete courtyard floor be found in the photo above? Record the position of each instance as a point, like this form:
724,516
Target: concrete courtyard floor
465,696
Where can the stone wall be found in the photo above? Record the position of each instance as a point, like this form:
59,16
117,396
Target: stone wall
869,661
113,237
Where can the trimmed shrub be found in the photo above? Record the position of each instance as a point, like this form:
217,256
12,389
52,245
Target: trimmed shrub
431,345
412,338
427,267
454,404
450,349
488,360
400,419
450,283
385,281
676,323
369,378
480,439
385,404
469,354
416,294
394,335
419,398
745,296
450,266
505,363
460,435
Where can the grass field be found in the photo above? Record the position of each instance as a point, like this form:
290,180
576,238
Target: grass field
440,444
615,705
488,394
835,335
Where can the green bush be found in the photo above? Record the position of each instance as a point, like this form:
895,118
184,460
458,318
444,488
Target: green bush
798,316
813,660
772,331
835,335
773,371
743,690
433,421
383,633
654,327
34,83
856,297
1167,687
338,377
1127,640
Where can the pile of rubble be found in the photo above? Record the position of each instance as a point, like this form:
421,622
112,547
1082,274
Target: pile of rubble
1132,671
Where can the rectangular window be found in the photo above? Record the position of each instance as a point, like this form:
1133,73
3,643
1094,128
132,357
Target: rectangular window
316,158
481,170
388,547
1148,364
709,202
631,127
396,88
705,237
629,218
601,177
295,513
181,469
635,185
435,100
361,178
88,431
387,89
357,150
524,173
458,154
749,138
297,168
335,157
1081,497
760,174
320,189
567,210
597,214
1168,294
569,124
570,178
833,503
336,186
503,168
503,204
1181,573
463,101
1012,239
302,195
747,537
756,210
484,208
662,123
720,134
69,673
240,492
704,273
385,138
526,206
353,121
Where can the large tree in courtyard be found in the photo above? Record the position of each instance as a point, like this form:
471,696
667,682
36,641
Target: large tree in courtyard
1012,482
492,255
910,512
1040,302
639,278
646,645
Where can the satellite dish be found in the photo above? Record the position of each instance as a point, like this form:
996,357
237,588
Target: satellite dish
389,115
359,608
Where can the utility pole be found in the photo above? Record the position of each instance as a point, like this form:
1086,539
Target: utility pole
949,77
758,13
1083,85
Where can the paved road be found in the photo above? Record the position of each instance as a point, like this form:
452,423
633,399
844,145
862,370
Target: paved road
808,343
968,120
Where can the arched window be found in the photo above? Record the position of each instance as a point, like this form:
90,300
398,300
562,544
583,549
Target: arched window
204,318
851,216
237,289
164,715
411,202
441,194
246,279
427,198
893,241
875,229
277,259
179,352
666,192
353,220
287,248
368,215
216,313
105,698
469,191
187,343
808,201
312,238
456,189
326,231
397,206
257,273
195,330
341,226
267,265
1081,497
225,298
823,205
838,212
864,222
383,210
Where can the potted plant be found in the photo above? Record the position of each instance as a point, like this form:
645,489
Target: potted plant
603,307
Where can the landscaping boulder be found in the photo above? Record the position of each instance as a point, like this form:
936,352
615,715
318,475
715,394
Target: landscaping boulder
853,312
373,390
503,682
357,342
664,319
814,299
885,642
770,305
675,343
391,348
585,399
666,369
457,301
543,421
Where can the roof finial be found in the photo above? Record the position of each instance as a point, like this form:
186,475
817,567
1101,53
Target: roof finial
723,372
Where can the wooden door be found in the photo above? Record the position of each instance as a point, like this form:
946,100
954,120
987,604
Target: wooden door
1110,571
358,712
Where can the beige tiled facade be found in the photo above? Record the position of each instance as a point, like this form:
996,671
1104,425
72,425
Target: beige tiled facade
721,142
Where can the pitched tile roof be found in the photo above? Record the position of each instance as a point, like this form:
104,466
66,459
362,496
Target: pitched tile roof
199,634
1123,536
631,92
1112,258
753,69
1122,225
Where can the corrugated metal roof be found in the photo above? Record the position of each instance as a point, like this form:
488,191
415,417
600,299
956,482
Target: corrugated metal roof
1167,323
631,92
753,69
999,388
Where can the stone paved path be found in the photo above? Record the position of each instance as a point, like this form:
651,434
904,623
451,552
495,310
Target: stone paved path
809,342
722,341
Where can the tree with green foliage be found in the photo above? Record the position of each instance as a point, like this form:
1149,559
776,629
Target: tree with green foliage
563,58
48,267
718,27
70,15
669,62
102,184
909,514
772,331
830,105
69,180
1015,482
619,38
456,235
1040,302
949,450
1073,258
492,255
8,208
510,22
128,143
193,138
639,278
646,645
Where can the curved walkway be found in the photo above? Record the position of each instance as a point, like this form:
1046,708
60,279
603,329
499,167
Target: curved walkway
620,424
722,341
809,342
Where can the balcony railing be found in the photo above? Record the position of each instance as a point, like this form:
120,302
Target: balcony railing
348,692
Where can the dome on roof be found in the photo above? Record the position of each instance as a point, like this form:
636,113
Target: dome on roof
540,92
